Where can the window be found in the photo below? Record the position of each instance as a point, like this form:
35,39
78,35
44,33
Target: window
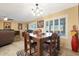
56,21
51,22
57,25
51,25
47,26
62,26
46,23
32,26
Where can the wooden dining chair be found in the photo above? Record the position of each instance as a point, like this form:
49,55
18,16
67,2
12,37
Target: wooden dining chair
52,44
29,44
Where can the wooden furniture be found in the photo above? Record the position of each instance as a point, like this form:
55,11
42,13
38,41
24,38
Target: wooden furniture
6,37
52,45
29,44
17,33
40,40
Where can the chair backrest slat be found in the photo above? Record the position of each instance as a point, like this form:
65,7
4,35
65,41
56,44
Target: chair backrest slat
54,43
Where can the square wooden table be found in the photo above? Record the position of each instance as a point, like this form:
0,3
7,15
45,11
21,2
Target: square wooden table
39,40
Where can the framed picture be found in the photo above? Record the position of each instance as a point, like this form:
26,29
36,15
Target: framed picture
19,26
7,25
40,24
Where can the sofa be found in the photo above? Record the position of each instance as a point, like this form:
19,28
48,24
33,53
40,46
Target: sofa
6,37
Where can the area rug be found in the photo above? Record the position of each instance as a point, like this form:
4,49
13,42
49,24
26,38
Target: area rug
23,53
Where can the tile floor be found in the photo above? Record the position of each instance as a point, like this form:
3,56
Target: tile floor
11,49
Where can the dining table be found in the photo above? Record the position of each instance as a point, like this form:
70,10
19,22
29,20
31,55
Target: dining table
39,40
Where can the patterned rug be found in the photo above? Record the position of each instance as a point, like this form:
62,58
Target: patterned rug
23,53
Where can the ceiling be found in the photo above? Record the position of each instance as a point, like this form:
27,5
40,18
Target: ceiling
23,11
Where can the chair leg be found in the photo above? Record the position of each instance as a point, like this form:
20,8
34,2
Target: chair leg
50,50
30,50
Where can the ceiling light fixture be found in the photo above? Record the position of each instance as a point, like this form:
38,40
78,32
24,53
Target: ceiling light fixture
5,19
37,11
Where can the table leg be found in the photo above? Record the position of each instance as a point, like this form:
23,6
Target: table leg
39,47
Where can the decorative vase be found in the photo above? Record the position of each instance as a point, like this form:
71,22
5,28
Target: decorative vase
74,42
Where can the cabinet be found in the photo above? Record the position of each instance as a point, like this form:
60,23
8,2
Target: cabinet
7,25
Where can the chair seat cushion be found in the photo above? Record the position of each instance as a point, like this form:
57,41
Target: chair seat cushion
33,43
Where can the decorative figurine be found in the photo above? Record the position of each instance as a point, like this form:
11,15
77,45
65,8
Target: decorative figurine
74,41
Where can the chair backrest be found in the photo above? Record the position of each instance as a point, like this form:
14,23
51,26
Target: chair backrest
27,42
56,40
54,43
54,37
26,38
